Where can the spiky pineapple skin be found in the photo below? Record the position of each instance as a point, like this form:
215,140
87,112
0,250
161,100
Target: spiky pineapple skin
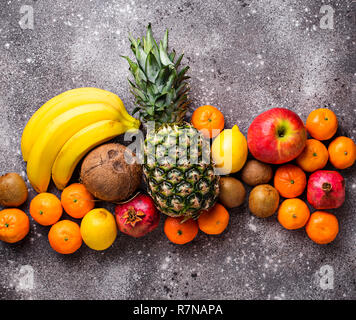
180,180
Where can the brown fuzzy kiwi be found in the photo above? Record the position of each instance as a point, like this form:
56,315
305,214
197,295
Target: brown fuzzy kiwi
255,172
106,173
232,192
263,200
13,190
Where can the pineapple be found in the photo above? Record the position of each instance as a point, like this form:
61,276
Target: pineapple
177,165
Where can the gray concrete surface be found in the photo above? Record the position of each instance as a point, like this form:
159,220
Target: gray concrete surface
245,57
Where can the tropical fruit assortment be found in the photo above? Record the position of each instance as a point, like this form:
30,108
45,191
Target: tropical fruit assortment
190,168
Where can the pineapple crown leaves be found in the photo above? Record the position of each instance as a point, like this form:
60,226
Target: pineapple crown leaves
159,87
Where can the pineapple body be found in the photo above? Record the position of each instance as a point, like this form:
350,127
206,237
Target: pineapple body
178,171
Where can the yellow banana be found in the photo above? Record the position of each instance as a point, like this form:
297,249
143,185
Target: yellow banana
79,145
56,134
64,102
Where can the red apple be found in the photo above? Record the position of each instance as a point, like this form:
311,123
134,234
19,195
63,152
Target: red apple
276,136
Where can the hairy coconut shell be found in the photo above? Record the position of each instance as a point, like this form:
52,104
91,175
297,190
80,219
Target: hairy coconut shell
109,173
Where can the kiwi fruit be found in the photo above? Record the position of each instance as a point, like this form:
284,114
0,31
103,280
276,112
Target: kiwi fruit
232,192
256,172
263,200
13,190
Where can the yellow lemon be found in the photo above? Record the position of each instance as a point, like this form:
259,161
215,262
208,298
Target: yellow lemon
229,150
98,229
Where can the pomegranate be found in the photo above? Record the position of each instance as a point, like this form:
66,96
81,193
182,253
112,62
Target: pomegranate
137,217
326,189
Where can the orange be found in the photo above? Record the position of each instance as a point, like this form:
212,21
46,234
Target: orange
314,156
178,232
342,152
290,181
293,214
77,201
46,209
208,119
322,124
14,225
215,220
64,237
322,227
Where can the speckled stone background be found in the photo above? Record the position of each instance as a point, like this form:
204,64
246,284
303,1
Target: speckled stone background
245,57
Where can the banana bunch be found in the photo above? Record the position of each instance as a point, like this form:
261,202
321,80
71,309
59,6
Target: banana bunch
66,128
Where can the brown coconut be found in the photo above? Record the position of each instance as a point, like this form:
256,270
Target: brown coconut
107,174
